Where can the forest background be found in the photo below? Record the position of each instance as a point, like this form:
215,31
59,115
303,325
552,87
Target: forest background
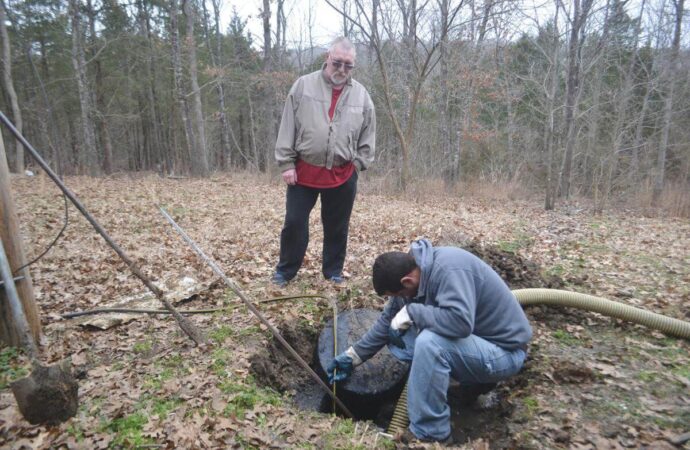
586,97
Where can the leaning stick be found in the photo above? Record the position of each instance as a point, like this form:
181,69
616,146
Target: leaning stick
185,324
231,284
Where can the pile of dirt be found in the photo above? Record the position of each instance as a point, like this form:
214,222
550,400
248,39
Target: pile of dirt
516,271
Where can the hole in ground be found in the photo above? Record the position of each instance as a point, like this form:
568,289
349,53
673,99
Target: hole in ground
492,417
489,417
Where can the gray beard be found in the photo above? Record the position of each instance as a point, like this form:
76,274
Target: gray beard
336,82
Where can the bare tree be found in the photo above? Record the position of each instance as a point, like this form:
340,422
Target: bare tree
8,84
200,154
87,155
580,14
180,96
421,56
673,65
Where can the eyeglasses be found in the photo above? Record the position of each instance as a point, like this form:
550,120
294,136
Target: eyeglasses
337,64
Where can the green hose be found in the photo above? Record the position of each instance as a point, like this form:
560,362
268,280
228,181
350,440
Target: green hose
528,297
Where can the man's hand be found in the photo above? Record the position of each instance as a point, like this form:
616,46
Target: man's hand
290,176
399,325
341,367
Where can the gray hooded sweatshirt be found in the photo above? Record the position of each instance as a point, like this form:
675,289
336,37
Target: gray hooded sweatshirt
458,295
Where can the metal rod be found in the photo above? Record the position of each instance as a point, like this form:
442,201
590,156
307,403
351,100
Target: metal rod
19,278
335,345
15,306
231,284
186,325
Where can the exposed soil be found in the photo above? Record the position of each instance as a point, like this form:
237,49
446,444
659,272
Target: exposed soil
488,416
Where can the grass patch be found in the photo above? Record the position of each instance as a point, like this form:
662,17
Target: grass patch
243,397
564,337
647,376
342,435
143,347
161,407
128,430
515,245
221,333
531,404
11,366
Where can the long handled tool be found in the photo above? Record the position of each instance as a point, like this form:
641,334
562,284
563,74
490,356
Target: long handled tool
231,284
187,326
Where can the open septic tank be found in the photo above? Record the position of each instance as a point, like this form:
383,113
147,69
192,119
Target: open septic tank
372,391
376,382
375,386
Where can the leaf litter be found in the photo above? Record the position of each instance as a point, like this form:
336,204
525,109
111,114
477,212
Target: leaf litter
590,381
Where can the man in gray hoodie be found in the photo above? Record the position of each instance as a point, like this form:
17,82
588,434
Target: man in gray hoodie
452,316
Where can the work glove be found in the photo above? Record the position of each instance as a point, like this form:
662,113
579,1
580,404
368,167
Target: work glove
342,365
399,325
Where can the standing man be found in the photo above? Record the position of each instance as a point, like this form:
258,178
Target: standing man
326,137
452,316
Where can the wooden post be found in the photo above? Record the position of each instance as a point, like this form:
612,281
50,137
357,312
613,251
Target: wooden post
9,233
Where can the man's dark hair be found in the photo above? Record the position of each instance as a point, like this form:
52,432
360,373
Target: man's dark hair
389,268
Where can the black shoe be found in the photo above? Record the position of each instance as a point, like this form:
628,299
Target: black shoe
408,437
468,393
279,280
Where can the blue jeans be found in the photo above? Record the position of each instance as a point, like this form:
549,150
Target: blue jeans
435,359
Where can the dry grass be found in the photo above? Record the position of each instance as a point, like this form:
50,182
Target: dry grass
674,201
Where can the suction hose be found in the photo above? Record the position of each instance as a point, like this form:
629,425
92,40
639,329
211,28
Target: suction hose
528,297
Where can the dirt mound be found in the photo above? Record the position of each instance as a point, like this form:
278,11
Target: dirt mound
516,271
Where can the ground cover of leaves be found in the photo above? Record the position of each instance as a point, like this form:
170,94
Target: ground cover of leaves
590,382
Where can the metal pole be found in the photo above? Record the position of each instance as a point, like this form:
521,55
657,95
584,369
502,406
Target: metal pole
186,325
231,284
15,306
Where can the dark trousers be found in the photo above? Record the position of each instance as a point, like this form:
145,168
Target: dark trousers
336,207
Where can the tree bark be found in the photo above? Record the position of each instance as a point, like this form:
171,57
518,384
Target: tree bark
8,82
10,236
550,126
88,153
200,160
668,104
179,95
580,16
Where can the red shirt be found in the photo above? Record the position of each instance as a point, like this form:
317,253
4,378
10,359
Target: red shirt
321,177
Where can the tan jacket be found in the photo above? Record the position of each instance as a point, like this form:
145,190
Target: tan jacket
306,132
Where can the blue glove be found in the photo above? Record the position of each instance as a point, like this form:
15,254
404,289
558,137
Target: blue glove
395,337
342,366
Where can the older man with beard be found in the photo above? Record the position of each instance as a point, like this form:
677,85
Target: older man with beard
326,137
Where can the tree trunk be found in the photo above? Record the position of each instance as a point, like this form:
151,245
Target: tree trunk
182,105
216,60
580,15
200,161
88,154
103,135
10,236
668,105
8,83
267,104
161,152
550,126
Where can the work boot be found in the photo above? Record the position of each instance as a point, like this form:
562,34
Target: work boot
468,394
408,437
279,280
